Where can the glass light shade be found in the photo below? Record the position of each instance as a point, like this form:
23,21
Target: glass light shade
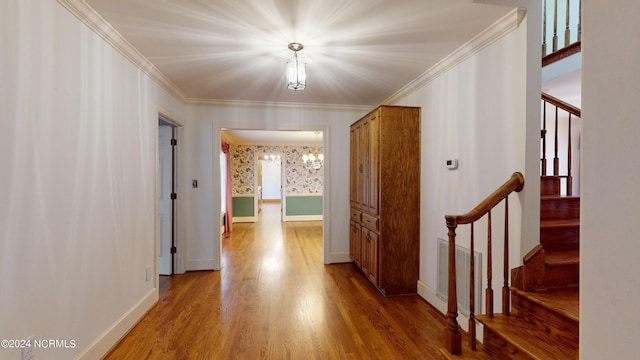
296,74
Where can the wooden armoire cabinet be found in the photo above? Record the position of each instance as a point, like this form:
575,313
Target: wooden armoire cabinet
385,198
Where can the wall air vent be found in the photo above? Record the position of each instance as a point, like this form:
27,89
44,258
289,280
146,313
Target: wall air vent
463,264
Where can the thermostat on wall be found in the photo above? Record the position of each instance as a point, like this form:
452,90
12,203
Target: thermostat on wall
452,164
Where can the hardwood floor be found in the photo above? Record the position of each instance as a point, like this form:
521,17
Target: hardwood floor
274,299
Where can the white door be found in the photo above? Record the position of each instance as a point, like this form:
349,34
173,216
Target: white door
165,217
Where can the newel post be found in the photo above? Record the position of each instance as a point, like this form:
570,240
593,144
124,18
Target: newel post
452,336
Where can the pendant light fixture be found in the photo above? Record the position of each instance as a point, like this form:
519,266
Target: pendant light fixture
296,72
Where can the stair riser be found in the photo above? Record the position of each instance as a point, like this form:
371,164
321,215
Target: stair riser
549,185
561,276
564,329
499,348
557,239
561,208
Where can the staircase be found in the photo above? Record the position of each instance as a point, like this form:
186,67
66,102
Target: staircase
540,305
544,318
542,321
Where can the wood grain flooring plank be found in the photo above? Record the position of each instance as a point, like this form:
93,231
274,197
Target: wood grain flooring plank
275,299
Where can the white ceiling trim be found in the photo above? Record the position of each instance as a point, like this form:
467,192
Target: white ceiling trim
497,30
287,105
102,28
91,18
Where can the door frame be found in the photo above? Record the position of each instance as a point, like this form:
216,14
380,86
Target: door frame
256,206
166,176
179,186
218,126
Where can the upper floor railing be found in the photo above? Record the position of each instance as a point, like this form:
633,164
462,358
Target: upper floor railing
561,24
557,128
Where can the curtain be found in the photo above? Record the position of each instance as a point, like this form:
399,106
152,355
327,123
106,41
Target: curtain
228,201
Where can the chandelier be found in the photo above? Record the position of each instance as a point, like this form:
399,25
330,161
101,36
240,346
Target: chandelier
296,73
313,162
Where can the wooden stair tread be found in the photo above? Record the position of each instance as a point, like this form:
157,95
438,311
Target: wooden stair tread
564,301
569,257
533,342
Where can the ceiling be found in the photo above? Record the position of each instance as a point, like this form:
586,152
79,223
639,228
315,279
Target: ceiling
358,52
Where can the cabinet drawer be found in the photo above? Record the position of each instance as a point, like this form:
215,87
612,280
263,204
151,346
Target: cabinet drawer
370,221
356,215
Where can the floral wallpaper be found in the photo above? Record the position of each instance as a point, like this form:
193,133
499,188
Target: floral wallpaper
297,181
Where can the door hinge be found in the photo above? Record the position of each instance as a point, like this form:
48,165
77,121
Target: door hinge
174,249
174,142
174,196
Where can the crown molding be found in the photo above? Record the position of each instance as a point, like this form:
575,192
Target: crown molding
86,14
494,32
285,105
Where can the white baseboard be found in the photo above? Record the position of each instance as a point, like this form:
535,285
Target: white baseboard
105,342
244,219
432,298
199,264
342,257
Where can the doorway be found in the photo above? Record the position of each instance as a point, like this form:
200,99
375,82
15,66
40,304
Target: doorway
247,144
269,179
166,197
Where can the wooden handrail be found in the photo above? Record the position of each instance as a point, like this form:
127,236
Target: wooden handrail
563,53
561,104
515,183
452,335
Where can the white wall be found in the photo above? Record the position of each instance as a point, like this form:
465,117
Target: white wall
476,112
78,160
204,139
609,245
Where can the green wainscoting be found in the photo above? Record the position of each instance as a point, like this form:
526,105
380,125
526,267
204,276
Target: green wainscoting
304,205
243,206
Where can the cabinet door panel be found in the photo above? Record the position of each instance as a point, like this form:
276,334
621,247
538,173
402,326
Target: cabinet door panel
365,259
356,243
363,169
372,249
373,160
354,166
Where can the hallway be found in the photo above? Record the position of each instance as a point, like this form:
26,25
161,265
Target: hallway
274,299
